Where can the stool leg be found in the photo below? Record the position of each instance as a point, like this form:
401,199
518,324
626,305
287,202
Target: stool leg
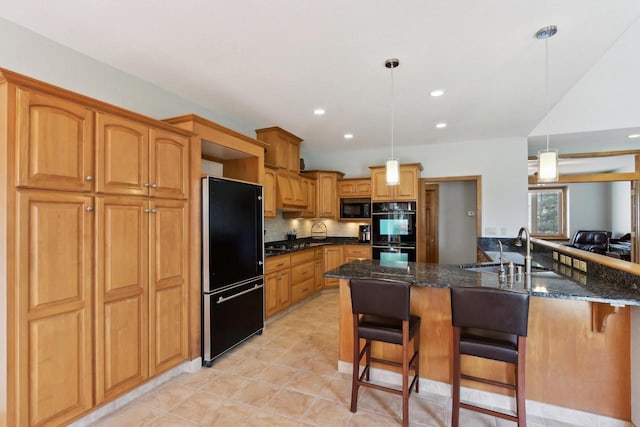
455,407
405,373
367,362
416,349
520,396
356,365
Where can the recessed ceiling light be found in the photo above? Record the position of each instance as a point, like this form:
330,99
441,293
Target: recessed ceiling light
441,125
634,135
319,111
348,136
437,92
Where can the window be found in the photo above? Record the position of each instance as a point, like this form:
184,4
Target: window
548,213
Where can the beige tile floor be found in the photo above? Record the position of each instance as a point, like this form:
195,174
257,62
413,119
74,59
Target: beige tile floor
285,377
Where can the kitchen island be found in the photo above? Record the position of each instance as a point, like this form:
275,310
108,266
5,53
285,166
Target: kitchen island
578,347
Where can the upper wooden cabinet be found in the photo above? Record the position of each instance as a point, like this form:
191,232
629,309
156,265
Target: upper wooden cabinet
354,187
122,152
289,194
283,150
168,164
269,181
326,196
55,143
406,190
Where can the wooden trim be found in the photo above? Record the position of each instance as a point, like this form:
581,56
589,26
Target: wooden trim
195,233
419,165
593,154
201,120
33,84
279,129
590,177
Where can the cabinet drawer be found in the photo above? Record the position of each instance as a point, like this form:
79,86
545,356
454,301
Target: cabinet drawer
302,272
319,253
277,263
302,290
357,251
302,257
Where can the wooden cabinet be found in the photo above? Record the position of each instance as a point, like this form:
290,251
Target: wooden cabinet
269,183
289,191
311,211
96,259
283,150
326,195
354,187
55,143
168,272
302,275
122,271
333,257
406,190
319,268
356,252
53,295
277,284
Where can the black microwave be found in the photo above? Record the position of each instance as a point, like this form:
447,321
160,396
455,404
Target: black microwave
355,208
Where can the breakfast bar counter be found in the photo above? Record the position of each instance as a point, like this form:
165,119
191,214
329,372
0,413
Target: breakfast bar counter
578,345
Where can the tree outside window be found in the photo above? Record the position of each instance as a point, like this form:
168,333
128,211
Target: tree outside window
547,212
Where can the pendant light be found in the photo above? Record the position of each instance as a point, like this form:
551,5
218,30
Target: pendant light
547,159
392,166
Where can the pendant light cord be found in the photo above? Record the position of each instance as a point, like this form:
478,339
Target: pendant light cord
546,85
392,111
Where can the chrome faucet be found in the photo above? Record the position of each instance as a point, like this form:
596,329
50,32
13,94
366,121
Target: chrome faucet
501,270
518,242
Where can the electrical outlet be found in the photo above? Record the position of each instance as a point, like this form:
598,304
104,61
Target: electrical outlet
562,259
583,266
555,256
576,263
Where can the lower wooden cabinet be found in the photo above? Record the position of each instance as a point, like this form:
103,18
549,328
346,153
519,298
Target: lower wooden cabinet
277,284
319,268
302,275
333,257
54,296
356,252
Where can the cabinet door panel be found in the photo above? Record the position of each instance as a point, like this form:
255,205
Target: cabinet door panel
121,295
269,193
271,294
54,294
55,143
168,281
122,150
168,164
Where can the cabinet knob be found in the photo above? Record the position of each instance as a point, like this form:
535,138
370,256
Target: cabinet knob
154,210
89,178
147,210
154,185
89,209
146,184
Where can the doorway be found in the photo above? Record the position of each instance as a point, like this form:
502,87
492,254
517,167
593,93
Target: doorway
449,219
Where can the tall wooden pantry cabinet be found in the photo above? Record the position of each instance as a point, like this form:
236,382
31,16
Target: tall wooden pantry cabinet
94,247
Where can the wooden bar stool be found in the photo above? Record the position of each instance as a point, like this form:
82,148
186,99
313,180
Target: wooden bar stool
492,324
381,313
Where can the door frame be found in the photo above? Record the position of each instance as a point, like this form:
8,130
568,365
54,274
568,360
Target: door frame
421,241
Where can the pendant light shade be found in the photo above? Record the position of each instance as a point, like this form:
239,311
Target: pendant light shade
548,166
393,172
547,159
392,166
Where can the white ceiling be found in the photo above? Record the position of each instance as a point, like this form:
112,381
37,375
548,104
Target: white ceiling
268,63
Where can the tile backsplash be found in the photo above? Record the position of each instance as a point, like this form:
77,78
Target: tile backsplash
277,228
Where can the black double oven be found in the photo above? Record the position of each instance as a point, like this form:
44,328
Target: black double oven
393,232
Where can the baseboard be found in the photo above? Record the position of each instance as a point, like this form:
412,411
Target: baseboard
495,401
103,411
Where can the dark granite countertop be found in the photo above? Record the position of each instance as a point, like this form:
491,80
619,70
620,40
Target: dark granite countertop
564,283
282,247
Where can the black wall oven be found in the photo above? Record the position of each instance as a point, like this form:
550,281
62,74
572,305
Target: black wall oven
393,234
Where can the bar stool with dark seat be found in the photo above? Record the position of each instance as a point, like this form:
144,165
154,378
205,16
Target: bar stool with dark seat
492,324
381,313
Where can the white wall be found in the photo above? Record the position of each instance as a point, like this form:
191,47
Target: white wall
589,206
456,230
620,208
502,163
28,53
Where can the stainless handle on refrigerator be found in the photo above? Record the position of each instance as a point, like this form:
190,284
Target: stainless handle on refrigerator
222,299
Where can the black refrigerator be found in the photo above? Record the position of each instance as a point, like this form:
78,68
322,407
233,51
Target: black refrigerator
232,264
